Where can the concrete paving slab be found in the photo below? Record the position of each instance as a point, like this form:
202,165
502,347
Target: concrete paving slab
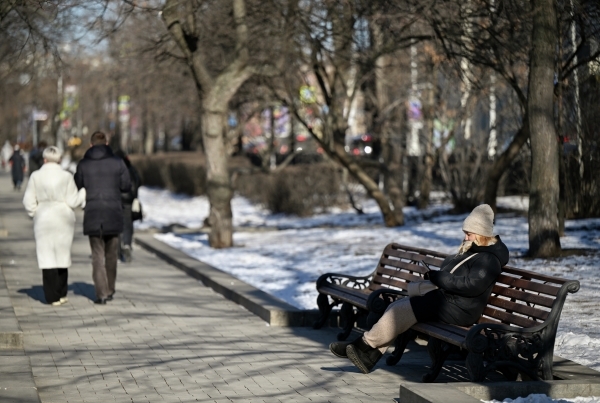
16,378
11,335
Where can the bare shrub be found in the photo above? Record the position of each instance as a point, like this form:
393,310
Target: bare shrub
181,172
462,173
300,190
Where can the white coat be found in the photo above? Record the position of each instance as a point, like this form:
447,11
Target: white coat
50,198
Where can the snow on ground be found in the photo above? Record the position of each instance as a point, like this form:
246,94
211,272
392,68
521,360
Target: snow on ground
284,255
538,398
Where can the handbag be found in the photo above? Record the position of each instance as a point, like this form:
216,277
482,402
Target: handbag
418,288
136,210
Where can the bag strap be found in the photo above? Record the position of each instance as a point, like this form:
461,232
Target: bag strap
464,260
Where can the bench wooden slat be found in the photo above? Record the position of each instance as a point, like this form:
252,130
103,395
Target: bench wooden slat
393,285
518,308
404,255
420,251
533,275
390,273
485,319
452,336
399,264
509,318
355,297
523,296
414,257
528,285
389,282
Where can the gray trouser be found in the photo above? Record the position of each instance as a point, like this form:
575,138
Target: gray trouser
397,319
127,235
104,263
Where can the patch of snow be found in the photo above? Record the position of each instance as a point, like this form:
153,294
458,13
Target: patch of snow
540,398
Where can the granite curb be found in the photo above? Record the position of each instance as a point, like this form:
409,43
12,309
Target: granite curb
466,392
267,307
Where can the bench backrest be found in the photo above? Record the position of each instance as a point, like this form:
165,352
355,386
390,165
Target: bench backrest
523,298
519,298
400,264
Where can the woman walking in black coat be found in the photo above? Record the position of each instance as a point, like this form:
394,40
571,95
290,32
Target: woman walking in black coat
127,199
464,284
17,163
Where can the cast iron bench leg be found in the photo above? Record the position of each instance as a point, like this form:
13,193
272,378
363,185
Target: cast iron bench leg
438,351
547,360
347,319
400,345
475,366
324,309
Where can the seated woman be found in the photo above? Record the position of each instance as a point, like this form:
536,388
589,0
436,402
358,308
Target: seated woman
465,283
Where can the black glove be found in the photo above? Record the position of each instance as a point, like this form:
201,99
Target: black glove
426,275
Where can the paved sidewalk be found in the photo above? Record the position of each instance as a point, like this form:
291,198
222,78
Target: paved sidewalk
167,338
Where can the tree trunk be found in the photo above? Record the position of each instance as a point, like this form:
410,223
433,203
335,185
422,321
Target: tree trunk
392,170
392,176
217,179
427,179
502,163
215,92
544,240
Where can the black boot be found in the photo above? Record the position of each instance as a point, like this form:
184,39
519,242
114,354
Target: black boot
338,348
362,355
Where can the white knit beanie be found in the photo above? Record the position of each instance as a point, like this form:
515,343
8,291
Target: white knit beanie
480,221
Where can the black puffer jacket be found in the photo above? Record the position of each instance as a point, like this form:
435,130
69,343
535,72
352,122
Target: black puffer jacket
462,296
104,177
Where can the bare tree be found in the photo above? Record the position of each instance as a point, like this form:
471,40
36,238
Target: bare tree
543,195
340,46
217,77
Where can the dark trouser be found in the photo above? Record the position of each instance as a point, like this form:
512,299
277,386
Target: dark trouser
127,235
55,284
105,251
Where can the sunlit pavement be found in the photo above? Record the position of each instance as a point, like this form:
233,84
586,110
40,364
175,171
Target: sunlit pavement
167,338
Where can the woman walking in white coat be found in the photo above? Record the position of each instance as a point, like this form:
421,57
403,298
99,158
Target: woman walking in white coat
50,198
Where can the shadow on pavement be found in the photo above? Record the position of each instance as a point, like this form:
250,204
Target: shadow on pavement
84,289
36,292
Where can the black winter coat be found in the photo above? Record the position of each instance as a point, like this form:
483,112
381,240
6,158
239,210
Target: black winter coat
18,166
136,182
462,296
104,177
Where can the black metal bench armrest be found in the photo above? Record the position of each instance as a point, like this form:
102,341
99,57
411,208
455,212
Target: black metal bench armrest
358,283
379,300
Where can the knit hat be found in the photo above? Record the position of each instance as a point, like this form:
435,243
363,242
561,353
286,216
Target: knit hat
480,221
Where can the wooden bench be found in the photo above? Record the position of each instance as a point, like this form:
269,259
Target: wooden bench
515,335
369,296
